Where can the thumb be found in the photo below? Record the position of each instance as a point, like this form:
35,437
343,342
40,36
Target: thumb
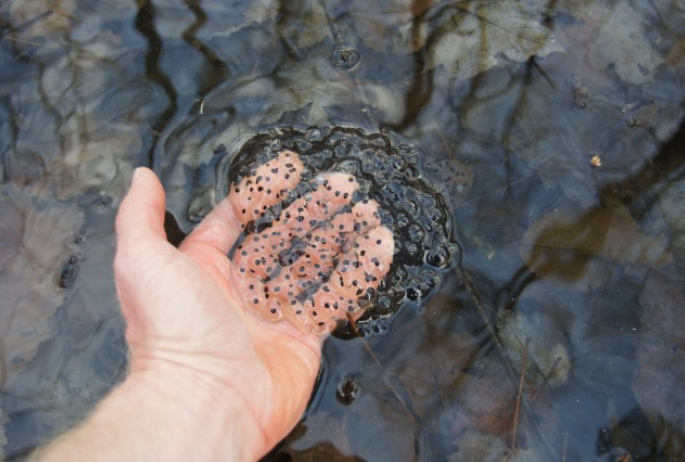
141,214
140,230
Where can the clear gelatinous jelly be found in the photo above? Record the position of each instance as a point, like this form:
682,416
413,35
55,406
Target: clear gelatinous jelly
373,177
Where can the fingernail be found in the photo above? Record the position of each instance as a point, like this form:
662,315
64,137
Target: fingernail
136,175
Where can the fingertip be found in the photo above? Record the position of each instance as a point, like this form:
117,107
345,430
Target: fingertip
137,173
142,210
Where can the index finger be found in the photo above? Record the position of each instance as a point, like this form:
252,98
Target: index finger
247,201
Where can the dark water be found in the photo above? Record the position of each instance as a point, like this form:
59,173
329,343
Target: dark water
554,129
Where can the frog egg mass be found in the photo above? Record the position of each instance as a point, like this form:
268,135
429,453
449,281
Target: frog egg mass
337,225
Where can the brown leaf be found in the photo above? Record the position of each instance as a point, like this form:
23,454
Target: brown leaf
676,57
44,19
480,35
573,247
323,451
3,436
384,26
489,403
487,448
546,357
308,445
670,203
611,34
659,377
37,238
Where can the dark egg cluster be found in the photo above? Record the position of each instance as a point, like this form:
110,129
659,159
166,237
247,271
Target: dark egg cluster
337,221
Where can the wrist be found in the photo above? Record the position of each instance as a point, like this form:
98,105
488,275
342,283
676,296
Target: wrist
156,415
201,419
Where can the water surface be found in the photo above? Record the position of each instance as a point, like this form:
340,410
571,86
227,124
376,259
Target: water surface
554,130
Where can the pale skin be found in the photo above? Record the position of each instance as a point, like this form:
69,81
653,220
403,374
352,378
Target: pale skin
210,378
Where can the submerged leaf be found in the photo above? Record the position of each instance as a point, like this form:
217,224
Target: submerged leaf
612,34
570,246
476,36
547,358
3,436
488,448
317,27
659,377
670,203
40,19
578,139
457,179
489,403
37,237
676,57
307,445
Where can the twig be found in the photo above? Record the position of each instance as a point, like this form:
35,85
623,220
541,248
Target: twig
545,381
389,384
480,307
20,41
564,448
524,363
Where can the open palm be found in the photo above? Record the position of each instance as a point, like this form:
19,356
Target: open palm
193,311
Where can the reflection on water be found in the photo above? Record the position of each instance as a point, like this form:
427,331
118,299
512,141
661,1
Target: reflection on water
554,127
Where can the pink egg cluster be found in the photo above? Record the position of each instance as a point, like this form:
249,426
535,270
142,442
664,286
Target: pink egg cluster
319,254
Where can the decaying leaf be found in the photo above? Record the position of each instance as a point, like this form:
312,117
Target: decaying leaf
676,57
558,133
3,436
659,377
323,451
572,247
488,402
547,358
612,34
433,380
457,176
258,12
310,28
38,18
317,27
474,446
478,35
332,89
37,237
431,375
671,202
308,446
384,24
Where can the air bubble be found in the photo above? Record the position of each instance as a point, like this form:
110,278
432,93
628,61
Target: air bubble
345,58
416,233
413,293
314,134
380,328
412,248
347,390
438,257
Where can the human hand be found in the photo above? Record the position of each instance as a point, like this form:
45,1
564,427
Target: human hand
193,313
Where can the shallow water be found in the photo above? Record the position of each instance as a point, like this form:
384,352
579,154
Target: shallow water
553,128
